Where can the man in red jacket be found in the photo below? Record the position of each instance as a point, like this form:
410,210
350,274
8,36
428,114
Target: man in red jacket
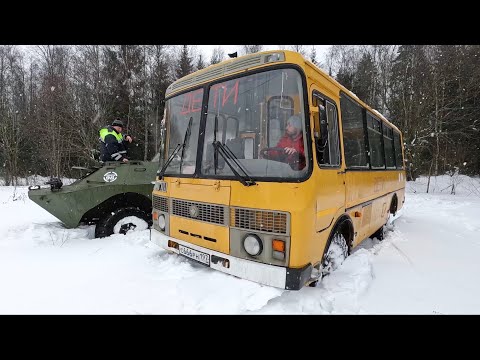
293,151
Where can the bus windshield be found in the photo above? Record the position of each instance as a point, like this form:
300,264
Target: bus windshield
182,121
259,119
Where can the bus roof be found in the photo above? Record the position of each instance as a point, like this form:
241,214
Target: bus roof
258,60
226,67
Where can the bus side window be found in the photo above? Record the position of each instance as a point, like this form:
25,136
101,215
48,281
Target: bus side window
398,149
326,142
354,136
322,146
333,135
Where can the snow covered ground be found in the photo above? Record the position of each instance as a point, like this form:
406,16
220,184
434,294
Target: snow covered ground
427,265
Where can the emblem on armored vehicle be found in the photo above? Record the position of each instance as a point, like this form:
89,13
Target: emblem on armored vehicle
110,176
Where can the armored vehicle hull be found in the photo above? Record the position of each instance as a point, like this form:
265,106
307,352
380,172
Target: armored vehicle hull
116,197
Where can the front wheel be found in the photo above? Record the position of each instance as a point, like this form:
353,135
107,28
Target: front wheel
335,255
121,221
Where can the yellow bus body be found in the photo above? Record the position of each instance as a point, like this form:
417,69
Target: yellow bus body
313,205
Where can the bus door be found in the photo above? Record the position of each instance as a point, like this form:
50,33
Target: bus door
330,186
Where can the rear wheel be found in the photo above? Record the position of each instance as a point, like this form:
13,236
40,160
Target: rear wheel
394,205
392,211
122,221
379,234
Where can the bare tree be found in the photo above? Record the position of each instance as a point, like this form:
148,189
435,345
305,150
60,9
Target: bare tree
251,49
12,111
342,59
299,48
88,89
218,54
58,130
313,55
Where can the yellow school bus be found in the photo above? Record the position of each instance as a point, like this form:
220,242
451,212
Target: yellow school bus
287,220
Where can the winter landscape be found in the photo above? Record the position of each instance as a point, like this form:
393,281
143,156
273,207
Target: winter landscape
57,100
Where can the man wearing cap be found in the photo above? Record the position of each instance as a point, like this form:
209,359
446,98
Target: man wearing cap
293,151
113,142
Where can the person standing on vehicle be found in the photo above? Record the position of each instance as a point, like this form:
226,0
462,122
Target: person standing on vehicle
113,143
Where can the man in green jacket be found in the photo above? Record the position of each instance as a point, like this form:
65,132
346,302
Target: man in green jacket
113,144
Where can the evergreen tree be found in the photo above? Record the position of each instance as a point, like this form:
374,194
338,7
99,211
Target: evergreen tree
185,63
365,77
200,63
345,78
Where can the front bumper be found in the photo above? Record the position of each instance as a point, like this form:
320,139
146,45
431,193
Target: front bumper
271,275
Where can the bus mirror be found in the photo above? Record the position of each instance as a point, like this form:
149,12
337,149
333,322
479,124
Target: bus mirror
316,121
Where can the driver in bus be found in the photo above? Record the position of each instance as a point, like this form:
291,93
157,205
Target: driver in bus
289,148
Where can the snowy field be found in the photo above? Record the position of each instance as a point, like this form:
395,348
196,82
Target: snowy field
428,264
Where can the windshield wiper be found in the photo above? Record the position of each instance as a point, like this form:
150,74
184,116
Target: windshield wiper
186,139
169,160
215,153
228,156
177,149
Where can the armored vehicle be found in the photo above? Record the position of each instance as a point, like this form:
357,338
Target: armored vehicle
116,197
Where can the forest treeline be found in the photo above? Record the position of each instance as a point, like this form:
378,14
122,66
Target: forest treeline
54,99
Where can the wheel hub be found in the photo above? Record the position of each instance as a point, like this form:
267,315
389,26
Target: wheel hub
127,227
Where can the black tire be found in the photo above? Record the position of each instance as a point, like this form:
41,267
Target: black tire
379,234
335,254
106,225
394,205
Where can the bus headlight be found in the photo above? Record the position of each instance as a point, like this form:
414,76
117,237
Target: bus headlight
161,222
252,245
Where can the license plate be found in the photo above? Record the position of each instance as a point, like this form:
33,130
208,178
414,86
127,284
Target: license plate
194,254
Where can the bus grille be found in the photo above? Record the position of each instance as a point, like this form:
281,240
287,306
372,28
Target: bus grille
199,211
260,220
160,203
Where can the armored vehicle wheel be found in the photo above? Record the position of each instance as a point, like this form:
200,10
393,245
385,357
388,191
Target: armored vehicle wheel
121,221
